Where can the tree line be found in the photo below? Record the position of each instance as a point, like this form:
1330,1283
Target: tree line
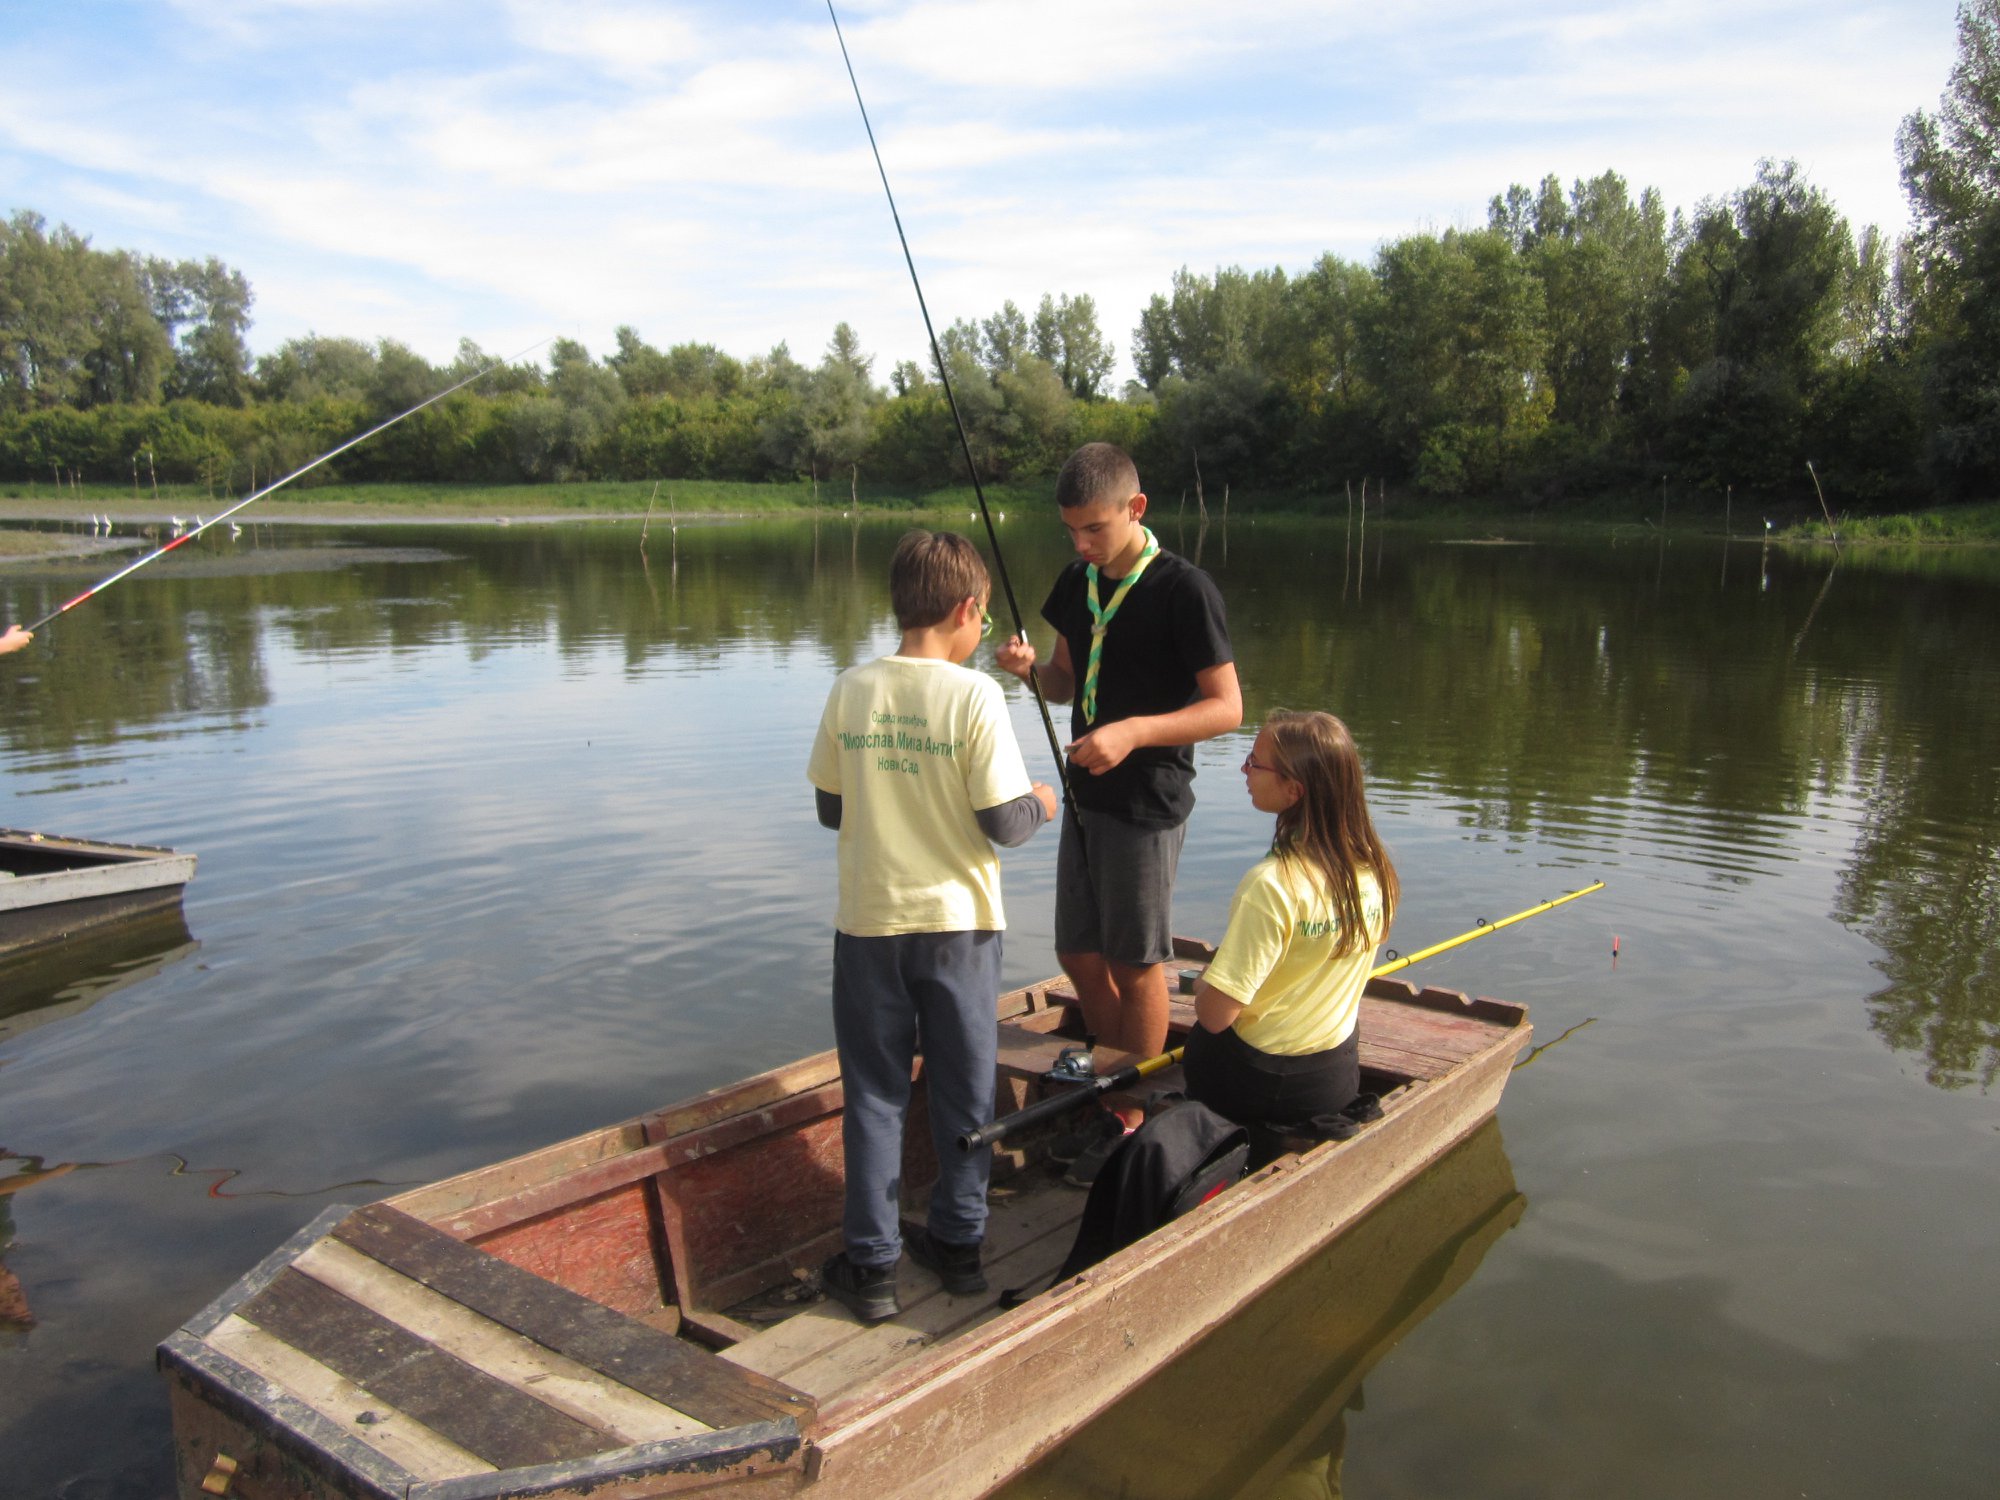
1581,342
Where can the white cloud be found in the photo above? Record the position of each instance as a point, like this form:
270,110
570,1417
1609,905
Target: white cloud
699,170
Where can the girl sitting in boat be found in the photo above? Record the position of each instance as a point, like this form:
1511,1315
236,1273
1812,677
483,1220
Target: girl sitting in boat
1276,1041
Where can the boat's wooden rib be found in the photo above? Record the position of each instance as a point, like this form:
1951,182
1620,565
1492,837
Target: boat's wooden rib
620,1316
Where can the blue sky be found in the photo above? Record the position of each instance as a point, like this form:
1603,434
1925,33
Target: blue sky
512,171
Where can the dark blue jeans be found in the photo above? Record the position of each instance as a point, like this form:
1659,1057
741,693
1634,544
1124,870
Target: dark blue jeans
892,996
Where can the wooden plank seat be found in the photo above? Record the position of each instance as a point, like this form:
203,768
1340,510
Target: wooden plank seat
424,1367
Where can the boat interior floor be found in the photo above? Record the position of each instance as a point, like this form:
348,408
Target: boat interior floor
823,1349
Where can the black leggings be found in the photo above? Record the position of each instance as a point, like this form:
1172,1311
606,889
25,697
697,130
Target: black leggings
1238,1081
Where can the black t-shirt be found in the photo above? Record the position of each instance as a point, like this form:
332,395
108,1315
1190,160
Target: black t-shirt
1170,627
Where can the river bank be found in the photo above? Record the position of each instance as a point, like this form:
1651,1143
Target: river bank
46,522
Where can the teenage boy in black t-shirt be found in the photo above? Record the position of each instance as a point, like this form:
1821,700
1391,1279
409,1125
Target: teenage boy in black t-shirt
1142,652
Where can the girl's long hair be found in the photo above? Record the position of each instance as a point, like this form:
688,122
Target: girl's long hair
1328,830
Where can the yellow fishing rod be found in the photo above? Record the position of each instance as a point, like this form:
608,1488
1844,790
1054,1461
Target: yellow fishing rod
1131,1073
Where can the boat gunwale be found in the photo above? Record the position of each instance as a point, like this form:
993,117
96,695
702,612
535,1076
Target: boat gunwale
1251,1195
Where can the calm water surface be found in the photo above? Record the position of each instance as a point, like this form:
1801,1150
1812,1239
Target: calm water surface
504,835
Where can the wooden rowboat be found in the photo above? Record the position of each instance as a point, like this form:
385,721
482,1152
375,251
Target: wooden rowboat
53,888
628,1314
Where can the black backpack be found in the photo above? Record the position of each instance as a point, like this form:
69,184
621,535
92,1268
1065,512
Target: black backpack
1183,1155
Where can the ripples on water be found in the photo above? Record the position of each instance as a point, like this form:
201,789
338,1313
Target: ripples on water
505,835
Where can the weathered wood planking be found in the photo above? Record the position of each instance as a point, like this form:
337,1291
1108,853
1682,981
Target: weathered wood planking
1017,1222
957,1419
572,1388
652,1363
737,1216
1025,1258
943,1402
480,1413
606,1249
363,1415
286,1449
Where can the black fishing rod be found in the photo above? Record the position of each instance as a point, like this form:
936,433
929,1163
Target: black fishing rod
958,422
187,536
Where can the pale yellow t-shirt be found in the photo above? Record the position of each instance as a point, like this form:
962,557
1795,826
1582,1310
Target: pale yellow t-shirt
1277,957
913,746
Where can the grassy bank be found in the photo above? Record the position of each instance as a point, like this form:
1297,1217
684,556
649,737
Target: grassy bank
686,497
1947,523
1686,512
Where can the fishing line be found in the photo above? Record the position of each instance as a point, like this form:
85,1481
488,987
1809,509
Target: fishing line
188,536
958,422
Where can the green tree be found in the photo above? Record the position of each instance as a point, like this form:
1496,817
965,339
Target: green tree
1600,257
1951,171
76,326
1067,338
1747,330
204,306
1004,340
303,369
1457,347
641,369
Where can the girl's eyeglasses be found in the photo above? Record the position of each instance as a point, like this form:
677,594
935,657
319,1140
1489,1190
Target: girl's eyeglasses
985,622
1251,764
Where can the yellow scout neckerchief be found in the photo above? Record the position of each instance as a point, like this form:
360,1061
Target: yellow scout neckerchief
1100,619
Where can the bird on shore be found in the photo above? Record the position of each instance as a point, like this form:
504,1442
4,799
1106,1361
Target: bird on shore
179,524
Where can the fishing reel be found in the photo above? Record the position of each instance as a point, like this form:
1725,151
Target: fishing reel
1072,1065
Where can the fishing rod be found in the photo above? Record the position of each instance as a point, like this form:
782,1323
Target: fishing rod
1131,1073
958,422
187,536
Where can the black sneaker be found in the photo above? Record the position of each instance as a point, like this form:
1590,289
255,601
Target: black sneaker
1098,1126
957,1266
869,1292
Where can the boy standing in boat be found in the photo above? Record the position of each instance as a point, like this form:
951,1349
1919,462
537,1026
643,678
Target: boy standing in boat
917,767
1142,651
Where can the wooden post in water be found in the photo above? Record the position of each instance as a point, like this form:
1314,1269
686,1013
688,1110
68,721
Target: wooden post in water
1728,509
1822,510
1200,499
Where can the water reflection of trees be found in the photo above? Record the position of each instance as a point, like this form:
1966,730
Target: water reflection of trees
1584,695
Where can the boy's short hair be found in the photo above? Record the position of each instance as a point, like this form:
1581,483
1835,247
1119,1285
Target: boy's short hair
1097,472
932,573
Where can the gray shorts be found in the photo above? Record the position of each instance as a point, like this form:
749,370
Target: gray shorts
1115,888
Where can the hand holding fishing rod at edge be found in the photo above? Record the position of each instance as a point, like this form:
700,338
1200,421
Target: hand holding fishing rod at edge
255,495
15,639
